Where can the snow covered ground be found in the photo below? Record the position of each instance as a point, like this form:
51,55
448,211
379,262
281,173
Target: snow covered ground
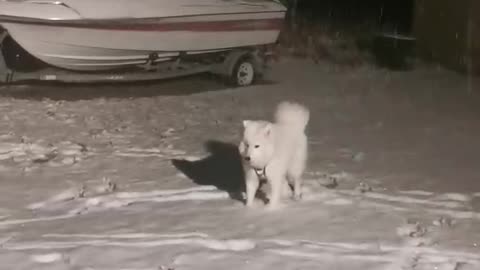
146,176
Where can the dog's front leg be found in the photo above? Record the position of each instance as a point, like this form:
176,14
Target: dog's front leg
252,183
277,184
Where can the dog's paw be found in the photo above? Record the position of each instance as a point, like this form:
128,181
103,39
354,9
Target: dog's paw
253,205
297,197
274,207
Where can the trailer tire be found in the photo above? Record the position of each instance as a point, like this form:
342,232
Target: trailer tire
244,72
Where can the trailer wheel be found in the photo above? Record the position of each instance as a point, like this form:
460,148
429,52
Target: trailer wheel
244,72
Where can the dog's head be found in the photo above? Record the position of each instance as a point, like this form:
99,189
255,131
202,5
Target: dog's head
256,147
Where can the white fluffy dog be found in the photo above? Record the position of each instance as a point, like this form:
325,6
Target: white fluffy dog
276,151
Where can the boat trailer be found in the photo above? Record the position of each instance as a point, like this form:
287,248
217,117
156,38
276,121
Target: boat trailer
240,67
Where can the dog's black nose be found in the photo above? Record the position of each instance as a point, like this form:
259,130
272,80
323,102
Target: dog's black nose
247,158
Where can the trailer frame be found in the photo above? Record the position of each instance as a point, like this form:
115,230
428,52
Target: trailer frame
256,56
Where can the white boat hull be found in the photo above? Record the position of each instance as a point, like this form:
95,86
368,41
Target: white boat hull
97,44
62,46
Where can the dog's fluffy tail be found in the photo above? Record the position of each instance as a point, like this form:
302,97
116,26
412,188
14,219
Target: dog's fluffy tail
293,115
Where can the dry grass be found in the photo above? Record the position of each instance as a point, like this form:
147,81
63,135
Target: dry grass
324,42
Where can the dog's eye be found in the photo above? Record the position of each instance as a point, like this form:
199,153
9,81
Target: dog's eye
257,146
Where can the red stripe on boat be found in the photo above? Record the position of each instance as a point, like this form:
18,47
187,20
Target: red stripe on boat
199,26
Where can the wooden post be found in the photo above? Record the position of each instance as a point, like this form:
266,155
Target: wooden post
293,14
469,53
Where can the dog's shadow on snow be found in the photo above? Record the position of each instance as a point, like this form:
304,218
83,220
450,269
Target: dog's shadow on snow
222,168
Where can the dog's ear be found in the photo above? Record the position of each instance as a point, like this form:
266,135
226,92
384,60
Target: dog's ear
241,147
246,123
268,129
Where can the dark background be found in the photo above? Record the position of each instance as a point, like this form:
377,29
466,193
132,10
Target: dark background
385,14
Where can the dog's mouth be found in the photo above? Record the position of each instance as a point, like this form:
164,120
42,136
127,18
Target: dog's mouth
260,172
254,164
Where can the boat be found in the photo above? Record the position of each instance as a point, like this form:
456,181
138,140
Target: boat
99,35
